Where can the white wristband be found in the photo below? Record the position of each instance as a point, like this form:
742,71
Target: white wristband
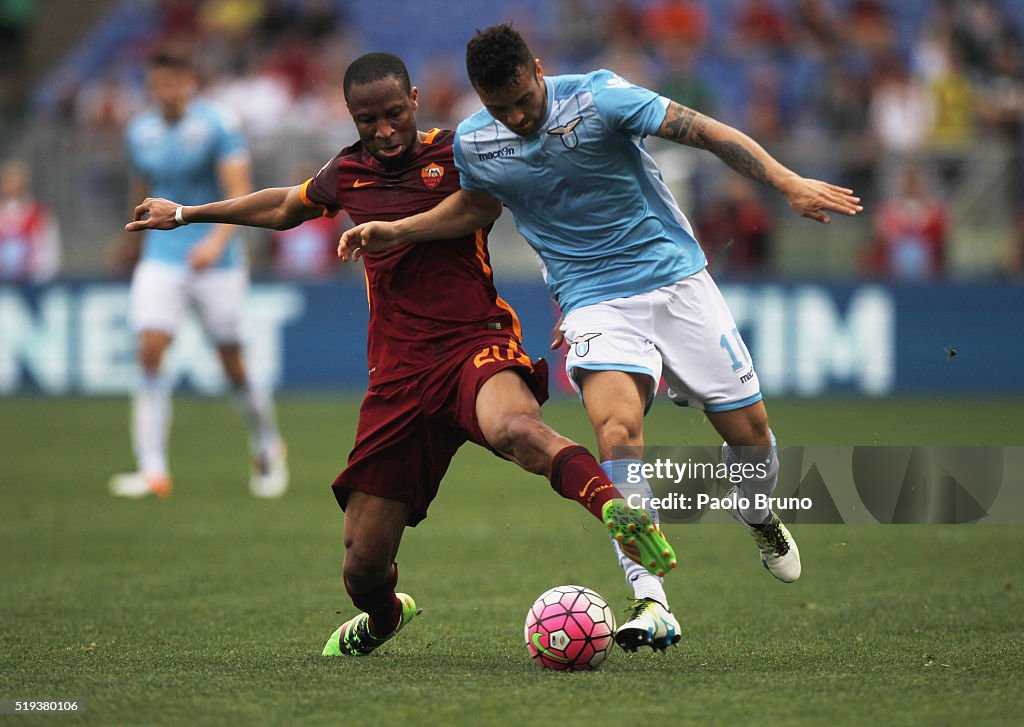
177,216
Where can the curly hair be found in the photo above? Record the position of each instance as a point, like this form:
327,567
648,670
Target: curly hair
496,56
374,67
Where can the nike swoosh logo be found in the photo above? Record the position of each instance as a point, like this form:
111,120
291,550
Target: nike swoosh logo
584,490
359,183
537,645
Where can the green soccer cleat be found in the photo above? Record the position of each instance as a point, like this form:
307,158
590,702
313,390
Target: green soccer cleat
640,539
354,638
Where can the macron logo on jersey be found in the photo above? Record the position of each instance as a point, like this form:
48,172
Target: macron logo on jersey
506,151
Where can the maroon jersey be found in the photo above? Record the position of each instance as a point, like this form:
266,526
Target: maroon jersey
427,298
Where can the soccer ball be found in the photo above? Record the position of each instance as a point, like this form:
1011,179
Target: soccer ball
569,628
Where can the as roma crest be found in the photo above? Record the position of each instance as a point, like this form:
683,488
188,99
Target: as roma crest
432,174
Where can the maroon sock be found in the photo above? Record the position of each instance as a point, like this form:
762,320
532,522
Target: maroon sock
381,604
576,475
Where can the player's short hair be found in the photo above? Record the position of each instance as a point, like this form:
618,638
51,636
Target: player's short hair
496,56
172,58
374,67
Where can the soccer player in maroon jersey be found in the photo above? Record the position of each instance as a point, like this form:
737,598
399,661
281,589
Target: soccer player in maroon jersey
445,352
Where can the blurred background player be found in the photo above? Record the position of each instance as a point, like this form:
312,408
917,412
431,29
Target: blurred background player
736,230
911,227
446,361
30,245
193,151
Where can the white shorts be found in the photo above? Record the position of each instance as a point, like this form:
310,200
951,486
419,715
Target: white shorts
683,331
161,294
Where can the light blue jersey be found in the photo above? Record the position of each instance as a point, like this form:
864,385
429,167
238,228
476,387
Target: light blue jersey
179,161
584,191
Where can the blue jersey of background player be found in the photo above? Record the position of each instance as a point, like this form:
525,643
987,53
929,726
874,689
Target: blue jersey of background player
618,231
182,159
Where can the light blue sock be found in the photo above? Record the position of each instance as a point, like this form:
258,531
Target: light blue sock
755,484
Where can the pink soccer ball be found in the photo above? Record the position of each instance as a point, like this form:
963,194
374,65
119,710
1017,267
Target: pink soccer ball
569,628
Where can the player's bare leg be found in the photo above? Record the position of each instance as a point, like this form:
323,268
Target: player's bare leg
749,440
268,452
745,427
151,423
615,402
509,417
373,532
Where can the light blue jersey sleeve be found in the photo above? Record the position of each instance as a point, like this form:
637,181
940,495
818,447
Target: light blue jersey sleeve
625,107
230,141
467,180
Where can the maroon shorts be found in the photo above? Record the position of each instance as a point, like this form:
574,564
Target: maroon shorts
409,430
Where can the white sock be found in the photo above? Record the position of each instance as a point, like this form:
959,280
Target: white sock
151,423
257,407
755,484
644,583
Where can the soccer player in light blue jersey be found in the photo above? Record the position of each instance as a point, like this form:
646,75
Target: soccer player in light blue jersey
191,151
566,155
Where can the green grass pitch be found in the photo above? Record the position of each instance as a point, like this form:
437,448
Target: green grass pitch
211,607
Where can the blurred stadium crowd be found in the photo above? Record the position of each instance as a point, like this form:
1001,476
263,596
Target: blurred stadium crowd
916,104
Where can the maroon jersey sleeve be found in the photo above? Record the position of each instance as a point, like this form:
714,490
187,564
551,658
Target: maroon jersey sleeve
321,190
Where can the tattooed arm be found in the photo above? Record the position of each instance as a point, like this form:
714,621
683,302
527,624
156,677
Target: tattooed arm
807,197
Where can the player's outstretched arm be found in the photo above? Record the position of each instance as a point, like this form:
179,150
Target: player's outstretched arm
808,197
459,214
278,208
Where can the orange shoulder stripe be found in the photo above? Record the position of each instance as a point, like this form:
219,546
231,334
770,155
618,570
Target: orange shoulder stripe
305,197
429,138
309,203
